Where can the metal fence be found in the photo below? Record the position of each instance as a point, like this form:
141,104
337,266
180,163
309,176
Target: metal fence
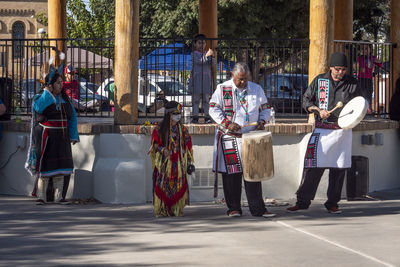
369,62
21,59
280,66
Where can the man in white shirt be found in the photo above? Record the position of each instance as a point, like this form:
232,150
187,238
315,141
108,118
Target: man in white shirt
236,103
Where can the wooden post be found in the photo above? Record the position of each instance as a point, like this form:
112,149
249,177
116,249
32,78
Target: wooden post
126,61
57,13
395,38
321,37
208,25
343,20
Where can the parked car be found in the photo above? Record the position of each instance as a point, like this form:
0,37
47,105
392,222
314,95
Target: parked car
86,96
92,86
152,88
284,91
29,88
104,88
156,85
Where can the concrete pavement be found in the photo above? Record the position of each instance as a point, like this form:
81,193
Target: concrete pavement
367,233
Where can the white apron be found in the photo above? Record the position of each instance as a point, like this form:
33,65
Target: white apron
328,148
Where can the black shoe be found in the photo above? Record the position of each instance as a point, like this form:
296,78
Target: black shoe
195,120
207,120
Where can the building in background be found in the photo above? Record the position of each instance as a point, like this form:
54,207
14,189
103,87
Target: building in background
17,18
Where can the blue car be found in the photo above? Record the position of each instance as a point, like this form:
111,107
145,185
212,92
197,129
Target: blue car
285,90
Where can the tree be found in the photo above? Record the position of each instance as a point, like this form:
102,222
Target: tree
371,20
96,20
236,18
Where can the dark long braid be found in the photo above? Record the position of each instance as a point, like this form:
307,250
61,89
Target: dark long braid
63,96
163,132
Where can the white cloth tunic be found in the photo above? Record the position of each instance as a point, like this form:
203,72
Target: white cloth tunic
329,148
256,108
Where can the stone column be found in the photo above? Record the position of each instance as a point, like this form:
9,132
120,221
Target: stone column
126,61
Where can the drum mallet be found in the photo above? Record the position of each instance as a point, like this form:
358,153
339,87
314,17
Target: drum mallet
250,124
338,105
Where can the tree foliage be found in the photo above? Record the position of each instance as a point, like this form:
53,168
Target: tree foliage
97,20
236,18
371,20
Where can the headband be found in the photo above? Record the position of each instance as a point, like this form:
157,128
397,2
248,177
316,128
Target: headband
177,108
52,68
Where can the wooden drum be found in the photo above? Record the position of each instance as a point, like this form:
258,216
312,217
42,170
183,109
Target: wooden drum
257,156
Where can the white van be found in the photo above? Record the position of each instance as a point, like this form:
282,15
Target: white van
153,87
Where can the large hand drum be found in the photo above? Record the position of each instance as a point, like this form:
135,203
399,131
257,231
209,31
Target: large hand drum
353,112
257,156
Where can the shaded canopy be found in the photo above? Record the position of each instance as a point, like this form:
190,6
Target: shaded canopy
175,57
78,57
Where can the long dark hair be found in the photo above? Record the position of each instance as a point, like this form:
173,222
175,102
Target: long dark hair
163,131
53,80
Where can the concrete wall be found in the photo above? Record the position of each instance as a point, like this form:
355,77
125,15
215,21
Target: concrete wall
115,168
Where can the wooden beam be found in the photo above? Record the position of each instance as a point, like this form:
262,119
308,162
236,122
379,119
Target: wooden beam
57,13
395,38
208,25
321,36
343,20
126,61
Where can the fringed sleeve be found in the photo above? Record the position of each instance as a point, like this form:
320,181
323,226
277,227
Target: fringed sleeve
187,155
156,151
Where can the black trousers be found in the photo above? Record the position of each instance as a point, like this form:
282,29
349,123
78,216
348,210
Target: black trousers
309,185
66,184
233,191
50,189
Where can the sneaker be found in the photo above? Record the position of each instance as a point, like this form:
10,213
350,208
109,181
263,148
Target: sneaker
334,210
64,202
195,120
294,208
234,213
40,202
268,214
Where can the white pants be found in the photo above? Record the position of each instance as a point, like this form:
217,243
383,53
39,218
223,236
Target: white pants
58,184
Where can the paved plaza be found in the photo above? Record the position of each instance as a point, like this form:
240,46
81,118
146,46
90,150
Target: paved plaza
367,233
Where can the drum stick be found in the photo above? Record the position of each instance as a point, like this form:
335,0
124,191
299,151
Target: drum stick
250,124
338,105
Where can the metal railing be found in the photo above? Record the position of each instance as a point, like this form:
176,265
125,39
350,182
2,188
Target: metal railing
369,62
280,66
21,60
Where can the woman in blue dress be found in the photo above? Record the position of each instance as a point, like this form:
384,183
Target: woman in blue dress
54,127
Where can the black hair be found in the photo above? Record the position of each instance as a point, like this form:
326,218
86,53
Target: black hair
163,131
199,36
53,79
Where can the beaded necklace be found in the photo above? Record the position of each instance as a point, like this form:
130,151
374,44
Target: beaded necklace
244,104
